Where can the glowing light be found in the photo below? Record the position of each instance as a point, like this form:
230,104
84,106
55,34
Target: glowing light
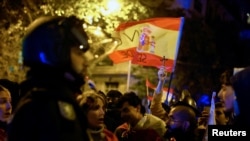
96,56
89,19
84,26
90,41
81,46
111,6
98,31
42,58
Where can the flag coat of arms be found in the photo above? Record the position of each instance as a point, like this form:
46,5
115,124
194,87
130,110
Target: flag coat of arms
146,42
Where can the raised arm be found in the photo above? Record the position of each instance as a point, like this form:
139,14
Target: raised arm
156,103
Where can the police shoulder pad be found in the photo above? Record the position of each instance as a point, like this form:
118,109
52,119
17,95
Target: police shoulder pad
67,110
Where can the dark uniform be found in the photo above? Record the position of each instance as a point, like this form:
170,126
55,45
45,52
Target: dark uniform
48,110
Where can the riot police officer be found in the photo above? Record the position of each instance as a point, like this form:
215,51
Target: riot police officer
53,49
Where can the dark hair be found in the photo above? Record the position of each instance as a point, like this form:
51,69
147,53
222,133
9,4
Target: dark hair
219,105
226,76
132,100
114,93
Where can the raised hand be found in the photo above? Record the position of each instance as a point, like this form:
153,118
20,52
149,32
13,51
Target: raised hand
162,75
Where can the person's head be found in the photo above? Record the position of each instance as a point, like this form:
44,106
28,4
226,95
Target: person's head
93,106
241,85
182,120
56,42
226,93
5,104
112,98
131,108
220,116
14,89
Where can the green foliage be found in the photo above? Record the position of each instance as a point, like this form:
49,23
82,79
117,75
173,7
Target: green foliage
15,16
141,74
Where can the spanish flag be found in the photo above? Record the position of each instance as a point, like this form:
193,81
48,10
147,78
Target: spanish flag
146,42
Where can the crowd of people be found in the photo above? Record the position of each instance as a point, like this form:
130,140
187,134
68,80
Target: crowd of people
51,106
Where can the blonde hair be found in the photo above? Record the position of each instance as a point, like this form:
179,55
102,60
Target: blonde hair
2,88
88,100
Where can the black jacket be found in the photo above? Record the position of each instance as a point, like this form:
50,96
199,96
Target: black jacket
48,110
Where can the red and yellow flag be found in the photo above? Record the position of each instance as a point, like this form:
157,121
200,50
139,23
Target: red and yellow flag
146,42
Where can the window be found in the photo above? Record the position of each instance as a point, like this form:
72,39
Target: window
111,86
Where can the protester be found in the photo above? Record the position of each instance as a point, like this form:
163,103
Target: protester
182,124
241,85
5,111
112,116
226,94
53,49
93,106
221,116
14,89
156,105
138,124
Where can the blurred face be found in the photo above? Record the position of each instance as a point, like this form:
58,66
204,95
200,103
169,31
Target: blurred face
174,122
220,116
226,95
78,61
95,116
5,106
130,114
112,101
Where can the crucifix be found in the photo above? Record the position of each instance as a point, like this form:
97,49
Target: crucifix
163,61
164,65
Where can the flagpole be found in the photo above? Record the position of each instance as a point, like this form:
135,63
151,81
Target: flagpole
163,62
177,49
129,72
147,91
169,84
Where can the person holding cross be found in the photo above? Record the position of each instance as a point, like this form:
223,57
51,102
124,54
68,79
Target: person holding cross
157,107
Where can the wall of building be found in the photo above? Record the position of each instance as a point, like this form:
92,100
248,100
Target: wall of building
118,73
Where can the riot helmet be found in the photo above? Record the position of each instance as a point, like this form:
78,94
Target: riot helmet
49,39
